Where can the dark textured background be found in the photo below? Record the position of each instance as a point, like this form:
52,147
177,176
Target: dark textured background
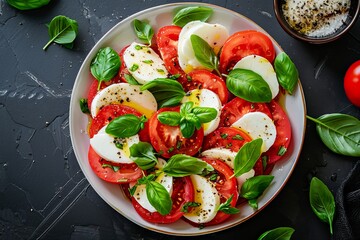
43,193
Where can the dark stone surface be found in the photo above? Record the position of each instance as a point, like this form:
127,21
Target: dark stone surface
43,193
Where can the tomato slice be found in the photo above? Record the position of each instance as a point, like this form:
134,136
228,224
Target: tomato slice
183,192
168,140
226,137
238,107
126,173
242,44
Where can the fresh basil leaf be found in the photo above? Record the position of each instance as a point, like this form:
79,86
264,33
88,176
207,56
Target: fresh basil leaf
27,4
281,233
204,114
125,126
204,53
181,165
114,168
186,108
254,188
143,31
167,92
105,65
248,85
158,197
130,79
84,105
62,30
143,155
286,72
253,203
247,156
189,14
227,208
187,205
339,132
187,128
169,118
322,201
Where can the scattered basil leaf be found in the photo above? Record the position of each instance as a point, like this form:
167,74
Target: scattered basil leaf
181,165
158,197
187,205
125,126
339,132
227,208
130,79
189,14
286,72
322,201
84,105
114,168
281,233
254,188
248,85
282,151
143,31
247,156
27,4
204,114
187,128
143,155
169,118
105,65
62,30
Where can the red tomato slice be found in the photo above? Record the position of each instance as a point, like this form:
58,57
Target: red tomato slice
226,137
204,79
169,141
126,173
242,44
236,108
183,192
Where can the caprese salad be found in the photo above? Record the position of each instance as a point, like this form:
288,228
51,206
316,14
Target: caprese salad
187,119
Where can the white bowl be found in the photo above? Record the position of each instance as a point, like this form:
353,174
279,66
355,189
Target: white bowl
121,35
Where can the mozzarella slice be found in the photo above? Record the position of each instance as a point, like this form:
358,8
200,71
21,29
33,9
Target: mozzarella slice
214,34
105,146
208,198
205,98
126,94
165,180
264,68
258,125
144,63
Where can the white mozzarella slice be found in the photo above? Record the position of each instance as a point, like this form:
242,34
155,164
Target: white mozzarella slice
264,68
144,63
205,98
258,125
208,198
126,94
105,146
214,34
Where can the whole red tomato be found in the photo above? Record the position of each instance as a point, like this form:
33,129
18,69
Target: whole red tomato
352,83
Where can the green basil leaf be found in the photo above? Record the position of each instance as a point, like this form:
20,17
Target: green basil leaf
84,105
143,31
193,119
248,85
187,205
204,114
143,155
286,72
62,30
339,132
125,126
247,156
187,128
27,4
322,201
255,186
181,165
169,118
158,197
281,233
130,79
227,208
185,108
114,168
204,53
189,14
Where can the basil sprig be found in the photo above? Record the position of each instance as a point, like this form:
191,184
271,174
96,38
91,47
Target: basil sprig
143,155
62,30
280,233
339,132
28,4
105,65
227,208
167,92
193,13
248,85
189,118
254,188
125,126
247,156
204,53
286,72
143,31
84,105
322,201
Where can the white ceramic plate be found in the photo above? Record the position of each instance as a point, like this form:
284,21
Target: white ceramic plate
121,35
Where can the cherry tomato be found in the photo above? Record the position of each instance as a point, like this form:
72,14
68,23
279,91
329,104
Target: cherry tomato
169,141
352,83
242,44
183,192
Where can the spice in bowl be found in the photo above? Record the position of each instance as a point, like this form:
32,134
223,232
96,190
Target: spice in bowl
316,18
